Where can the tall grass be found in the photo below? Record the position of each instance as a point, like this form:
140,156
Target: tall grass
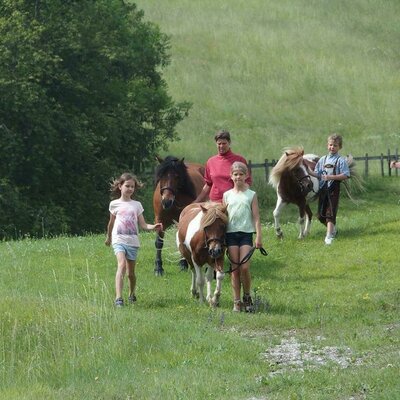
283,73
331,313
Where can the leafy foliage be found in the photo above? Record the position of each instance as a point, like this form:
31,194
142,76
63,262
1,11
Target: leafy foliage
81,98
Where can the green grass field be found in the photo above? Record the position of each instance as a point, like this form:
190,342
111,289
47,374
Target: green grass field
282,73
274,73
326,327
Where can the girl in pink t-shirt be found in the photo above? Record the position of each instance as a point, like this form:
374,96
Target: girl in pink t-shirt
126,215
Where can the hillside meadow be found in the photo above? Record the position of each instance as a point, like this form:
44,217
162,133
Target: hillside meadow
326,326
283,73
276,74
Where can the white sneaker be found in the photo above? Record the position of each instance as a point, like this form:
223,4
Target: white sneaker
328,240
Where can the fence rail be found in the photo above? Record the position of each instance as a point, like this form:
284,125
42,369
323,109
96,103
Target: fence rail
384,162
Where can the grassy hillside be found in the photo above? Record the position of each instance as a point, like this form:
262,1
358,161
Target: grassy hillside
280,73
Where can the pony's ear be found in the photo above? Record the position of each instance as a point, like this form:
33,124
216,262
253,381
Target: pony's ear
182,160
159,159
287,154
204,209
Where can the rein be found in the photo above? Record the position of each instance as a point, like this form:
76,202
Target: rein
244,259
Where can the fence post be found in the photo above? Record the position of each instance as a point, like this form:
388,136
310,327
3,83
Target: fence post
388,162
249,166
382,170
366,165
266,169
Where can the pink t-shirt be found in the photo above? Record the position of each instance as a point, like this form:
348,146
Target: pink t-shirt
218,174
125,230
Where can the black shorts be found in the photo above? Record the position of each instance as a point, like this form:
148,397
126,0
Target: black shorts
239,239
328,203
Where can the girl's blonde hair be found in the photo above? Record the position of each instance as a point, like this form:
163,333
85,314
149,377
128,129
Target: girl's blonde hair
126,176
238,165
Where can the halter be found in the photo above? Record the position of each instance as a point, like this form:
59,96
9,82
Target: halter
167,188
207,241
302,188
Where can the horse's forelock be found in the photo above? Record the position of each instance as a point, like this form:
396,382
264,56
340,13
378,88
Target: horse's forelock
174,163
212,213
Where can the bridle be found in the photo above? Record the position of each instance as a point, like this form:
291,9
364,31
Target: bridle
207,240
167,188
303,188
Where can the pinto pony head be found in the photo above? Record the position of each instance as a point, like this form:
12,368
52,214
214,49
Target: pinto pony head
213,223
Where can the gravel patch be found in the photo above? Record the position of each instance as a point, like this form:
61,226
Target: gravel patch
291,355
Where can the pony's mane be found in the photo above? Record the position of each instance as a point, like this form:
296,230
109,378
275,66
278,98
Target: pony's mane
178,166
290,159
214,211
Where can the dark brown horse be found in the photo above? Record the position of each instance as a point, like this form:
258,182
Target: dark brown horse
177,185
201,241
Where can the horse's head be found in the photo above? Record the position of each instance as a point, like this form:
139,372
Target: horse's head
303,178
295,163
213,223
170,175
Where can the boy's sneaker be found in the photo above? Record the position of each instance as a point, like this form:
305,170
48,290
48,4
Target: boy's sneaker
132,299
248,303
328,240
119,302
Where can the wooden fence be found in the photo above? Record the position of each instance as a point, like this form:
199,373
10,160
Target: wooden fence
383,160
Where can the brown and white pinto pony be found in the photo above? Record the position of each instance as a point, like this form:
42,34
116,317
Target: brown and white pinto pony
294,185
201,241
177,184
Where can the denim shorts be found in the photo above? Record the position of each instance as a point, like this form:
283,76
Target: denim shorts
129,251
239,239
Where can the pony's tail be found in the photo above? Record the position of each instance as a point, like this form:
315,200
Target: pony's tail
356,183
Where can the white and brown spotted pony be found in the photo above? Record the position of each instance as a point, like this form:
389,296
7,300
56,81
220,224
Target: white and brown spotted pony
293,184
201,241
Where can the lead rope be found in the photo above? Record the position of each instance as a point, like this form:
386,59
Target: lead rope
244,259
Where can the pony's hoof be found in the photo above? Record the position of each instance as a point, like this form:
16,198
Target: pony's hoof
214,301
279,235
158,269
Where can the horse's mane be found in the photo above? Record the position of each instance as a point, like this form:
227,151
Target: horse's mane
290,159
178,166
214,211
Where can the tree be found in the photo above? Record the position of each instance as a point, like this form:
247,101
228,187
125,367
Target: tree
81,98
